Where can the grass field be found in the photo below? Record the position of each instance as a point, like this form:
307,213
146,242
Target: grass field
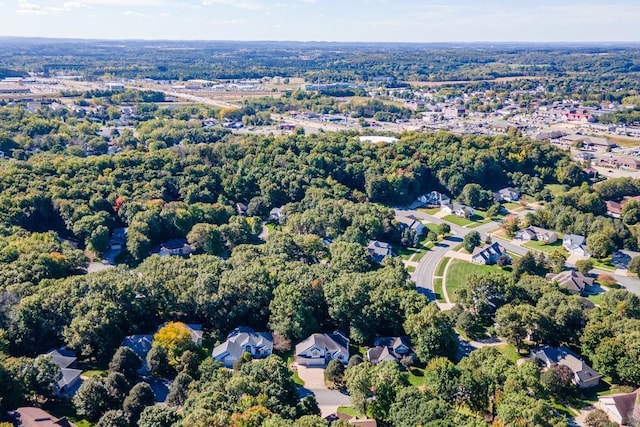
457,220
603,264
556,189
548,249
348,410
512,206
429,211
437,290
415,377
411,269
460,270
294,374
509,351
440,269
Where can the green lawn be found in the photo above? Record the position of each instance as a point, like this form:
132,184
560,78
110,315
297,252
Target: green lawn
61,409
596,299
349,410
556,189
95,373
511,206
431,211
603,264
440,269
289,357
437,290
509,351
404,253
460,270
457,220
411,269
548,249
431,227
415,376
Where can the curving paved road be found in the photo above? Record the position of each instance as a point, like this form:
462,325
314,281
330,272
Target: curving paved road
423,275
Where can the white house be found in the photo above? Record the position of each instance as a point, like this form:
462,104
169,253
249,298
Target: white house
458,209
175,247
243,340
319,349
537,234
575,245
508,194
412,223
434,198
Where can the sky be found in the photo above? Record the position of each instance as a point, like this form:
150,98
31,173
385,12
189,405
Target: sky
326,20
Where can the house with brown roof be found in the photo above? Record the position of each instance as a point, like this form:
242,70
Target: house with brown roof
36,417
571,280
620,408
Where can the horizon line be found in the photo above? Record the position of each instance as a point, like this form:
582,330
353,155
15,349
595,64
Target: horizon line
485,42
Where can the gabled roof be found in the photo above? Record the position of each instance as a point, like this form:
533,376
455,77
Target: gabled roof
36,417
69,376
564,356
62,357
335,342
573,240
623,404
489,253
140,344
239,338
572,280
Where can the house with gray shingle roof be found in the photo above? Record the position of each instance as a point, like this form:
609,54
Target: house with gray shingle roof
243,340
488,255
319,349
583,375
379,250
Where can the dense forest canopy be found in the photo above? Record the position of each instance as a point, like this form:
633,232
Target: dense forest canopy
325,61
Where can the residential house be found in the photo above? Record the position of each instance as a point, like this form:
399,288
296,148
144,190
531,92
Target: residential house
379,250
508,194
391,349
243,340
583,375
118,239
575,245
36,417
68,385
488,255
277,215
458,210
319,349
174,247
537,234
571,280
412,223
434,198
621,408
614,209
141,345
